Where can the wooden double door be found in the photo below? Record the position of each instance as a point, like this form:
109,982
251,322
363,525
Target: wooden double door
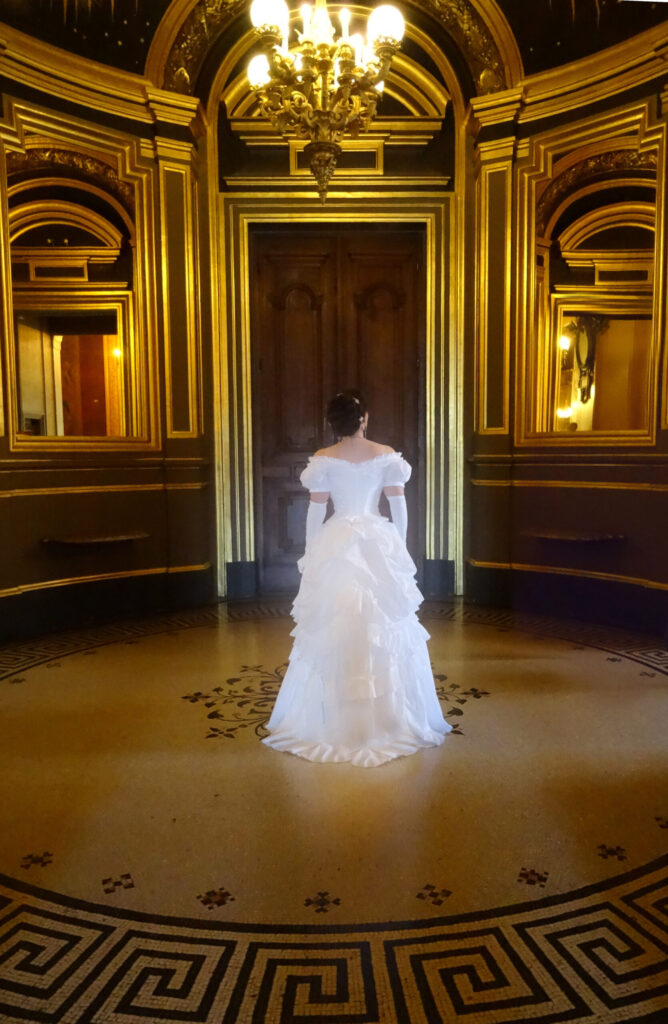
330,309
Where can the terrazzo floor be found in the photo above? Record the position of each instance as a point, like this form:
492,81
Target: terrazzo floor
160,863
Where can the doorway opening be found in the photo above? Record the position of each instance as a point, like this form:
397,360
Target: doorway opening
332,307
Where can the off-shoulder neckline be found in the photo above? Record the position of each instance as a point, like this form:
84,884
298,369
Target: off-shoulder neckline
349,462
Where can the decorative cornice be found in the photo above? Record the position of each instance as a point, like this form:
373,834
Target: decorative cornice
92,168
601,165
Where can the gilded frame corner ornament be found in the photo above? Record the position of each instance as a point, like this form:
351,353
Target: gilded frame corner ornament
100,161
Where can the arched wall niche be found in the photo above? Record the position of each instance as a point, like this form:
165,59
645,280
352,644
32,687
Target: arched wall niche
79,314
594,277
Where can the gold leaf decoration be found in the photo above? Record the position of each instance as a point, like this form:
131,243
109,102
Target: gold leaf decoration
599,166
43,158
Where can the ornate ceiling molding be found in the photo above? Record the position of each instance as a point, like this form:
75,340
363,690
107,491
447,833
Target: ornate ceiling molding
601,165
47,158
472,35
202,26
190,28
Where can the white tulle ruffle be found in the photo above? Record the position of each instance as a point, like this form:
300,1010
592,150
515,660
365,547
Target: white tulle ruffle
359,685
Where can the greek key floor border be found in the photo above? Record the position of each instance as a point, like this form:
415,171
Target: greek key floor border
596,955
24,655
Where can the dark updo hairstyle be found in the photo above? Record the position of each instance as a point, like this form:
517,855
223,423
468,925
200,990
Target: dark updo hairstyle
345,412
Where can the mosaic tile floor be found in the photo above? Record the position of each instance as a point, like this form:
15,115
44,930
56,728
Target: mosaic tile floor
160,864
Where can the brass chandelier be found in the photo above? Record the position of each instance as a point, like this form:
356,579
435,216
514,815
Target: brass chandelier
323,86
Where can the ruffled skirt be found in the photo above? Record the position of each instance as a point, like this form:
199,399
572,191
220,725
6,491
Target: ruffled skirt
359,685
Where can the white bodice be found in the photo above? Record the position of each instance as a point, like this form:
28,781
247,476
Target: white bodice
355,487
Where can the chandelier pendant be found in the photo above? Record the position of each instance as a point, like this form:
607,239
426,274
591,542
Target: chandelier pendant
323,87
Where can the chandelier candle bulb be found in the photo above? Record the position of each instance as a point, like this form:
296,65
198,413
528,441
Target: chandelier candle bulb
323,30
344,18
270,14
357,43
258,71
386,22
305,12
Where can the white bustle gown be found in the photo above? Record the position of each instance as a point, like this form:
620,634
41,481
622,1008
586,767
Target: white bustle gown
359,685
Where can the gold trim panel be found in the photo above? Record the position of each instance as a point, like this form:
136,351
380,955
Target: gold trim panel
632,127
560,571
234,430
576,484
40,492
484,262
128,574
23,128
182,171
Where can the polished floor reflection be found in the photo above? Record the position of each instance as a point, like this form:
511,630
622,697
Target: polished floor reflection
518,872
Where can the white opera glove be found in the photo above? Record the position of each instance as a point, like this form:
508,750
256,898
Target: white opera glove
317,510
399,514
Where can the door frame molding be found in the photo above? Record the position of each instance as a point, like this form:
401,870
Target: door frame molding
439,214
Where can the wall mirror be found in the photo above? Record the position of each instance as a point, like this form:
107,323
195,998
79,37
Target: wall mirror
79,356
603,360
73,366
592,349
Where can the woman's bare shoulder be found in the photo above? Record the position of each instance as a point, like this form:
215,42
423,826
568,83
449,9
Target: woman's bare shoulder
382,449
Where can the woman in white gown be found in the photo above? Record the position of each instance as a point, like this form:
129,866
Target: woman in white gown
359,685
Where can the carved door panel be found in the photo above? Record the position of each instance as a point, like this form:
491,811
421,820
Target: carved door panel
330,309
382,335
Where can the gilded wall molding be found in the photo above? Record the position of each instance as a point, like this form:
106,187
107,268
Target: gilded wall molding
465,24
614,162
31,139
232,376
179,247
611,144
617,69
202,26
94,169
595,485
494,226
162,570
556,570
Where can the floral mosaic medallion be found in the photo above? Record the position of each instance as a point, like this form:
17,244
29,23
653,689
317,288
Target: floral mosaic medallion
242,702
245,701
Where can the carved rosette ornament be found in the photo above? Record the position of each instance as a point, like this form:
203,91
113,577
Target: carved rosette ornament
88,167
603,165
209,18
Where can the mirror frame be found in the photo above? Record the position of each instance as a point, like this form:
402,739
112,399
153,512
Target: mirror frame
118,301
24,128
634,128
604,304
